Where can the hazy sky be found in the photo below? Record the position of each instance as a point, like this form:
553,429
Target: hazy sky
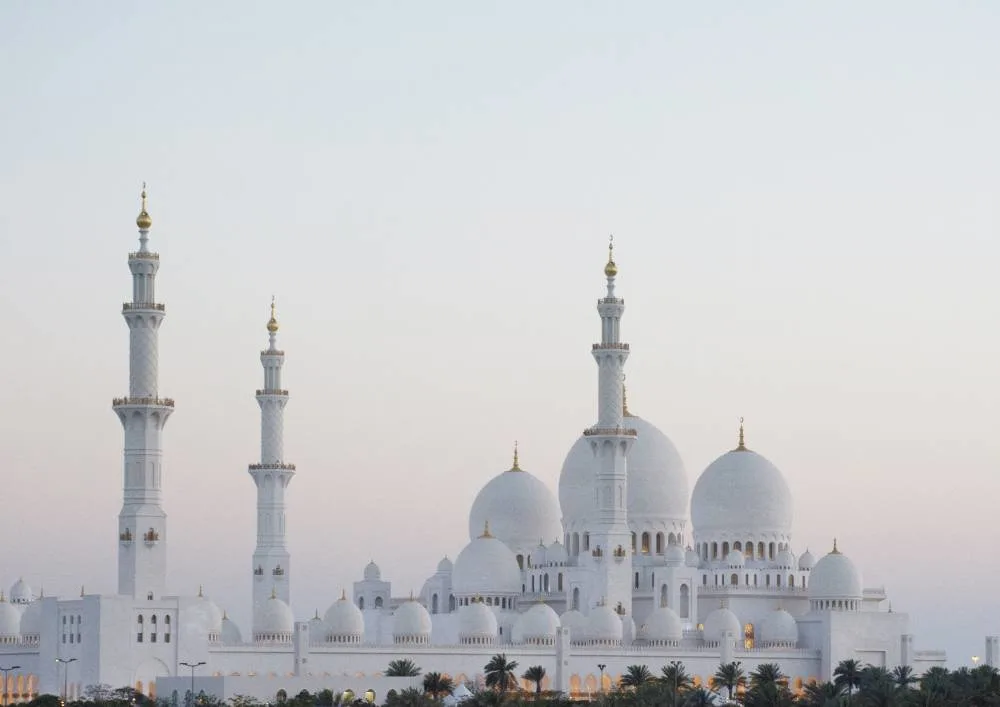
804,198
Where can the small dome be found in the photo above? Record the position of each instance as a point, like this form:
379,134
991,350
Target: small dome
344,621
274,618
411,622
675,555
784,560
143,221
662,626
538,558
10,620
742,493
576,623
31,619
230,634
372,572
835,577
204,615
719,622
486,567
691,558
21,593
477,622
520,509
735,558
604,625
807,561
556,554
537,625
779,628
445,565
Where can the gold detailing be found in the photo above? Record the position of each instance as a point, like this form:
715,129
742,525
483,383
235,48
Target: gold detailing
343,594
272,323
486,531
225,616
835,551
141,255
125,537
516,466
3,599
81,590
138,306
741,447
610,270
143,221
144,400
279,466
610,431
274,593
614,346
625,412
271,391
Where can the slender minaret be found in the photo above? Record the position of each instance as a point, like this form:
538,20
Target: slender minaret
142,524
271,562
610,440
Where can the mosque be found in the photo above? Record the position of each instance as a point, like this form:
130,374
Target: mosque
609,575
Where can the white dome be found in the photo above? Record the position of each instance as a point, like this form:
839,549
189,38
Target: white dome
10,620
274,618
657,481
556,554
675,554
691,558
807,561
343,620
486,567
31,619
576,623
519,508
735,558
718,623
411,621
779,627
204,616
477,622
372,572
537,625
538,556
743,493
21,593
230,633
445,565
663,626
785,560
835,577
604,625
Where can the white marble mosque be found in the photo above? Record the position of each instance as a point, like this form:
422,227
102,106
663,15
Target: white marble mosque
625,567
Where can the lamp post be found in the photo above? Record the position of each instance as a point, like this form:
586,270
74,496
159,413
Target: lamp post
193,666
5,671
65,667
975,661
601,667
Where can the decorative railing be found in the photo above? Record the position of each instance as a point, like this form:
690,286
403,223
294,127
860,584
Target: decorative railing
272,352
742,589
610,300
143,255
280,466
272,391
135,306
615,431
146,400
617,347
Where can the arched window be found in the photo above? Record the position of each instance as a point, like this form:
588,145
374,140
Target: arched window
520,562
685,602
378,602
633,541
576,544
645,543
434,604
746,580
704,580
770,551
166,620
777,580
546,582
749,549
748,637
659,543
361,603
767,581
451,603
586,541
737,546
576,599
760,551
674,539
532,584
791,580
663,596
636,580
715,551
560,584
725,550
734,579
153,620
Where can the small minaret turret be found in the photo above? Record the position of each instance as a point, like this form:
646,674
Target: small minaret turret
610,440
142,529
271,561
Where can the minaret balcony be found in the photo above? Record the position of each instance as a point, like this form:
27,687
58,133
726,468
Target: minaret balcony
610,432
151,537
145,400
277,466
610,300
616,347
272,391
143,306
143,255
126,537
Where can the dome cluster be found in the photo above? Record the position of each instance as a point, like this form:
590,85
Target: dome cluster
273,622
835,583
537,626
486,567
343,622
411,624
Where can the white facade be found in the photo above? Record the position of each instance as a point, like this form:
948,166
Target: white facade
610,575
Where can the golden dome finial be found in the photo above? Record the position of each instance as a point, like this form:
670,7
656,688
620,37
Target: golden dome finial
343,593
274,593
486,530
610,270
272,323
316,614
143,221
516,466
835,551
225,615
82,592
742,445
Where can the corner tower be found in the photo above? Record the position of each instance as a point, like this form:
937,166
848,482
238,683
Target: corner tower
271,561
610,441
142,524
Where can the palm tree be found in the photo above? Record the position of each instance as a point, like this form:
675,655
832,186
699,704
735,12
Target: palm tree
848,674
699,698
903,676
822,694
877,687
636,675
936,687
402,668
730,676
675,676
535,674
438,685
500,673
768,674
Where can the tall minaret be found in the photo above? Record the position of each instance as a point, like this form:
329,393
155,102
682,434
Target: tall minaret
142,524
610,440
271,562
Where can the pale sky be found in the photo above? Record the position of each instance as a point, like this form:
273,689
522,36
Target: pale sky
804,198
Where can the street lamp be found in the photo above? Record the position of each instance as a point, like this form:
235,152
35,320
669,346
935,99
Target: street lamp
975,661
601,667
193,666
65,666
5,671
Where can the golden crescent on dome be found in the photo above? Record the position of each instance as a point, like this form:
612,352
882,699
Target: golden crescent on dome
610,270
272,323
143,220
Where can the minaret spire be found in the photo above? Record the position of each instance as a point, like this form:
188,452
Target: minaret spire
142,531
271,560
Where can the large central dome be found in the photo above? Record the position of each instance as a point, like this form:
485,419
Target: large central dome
657,481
